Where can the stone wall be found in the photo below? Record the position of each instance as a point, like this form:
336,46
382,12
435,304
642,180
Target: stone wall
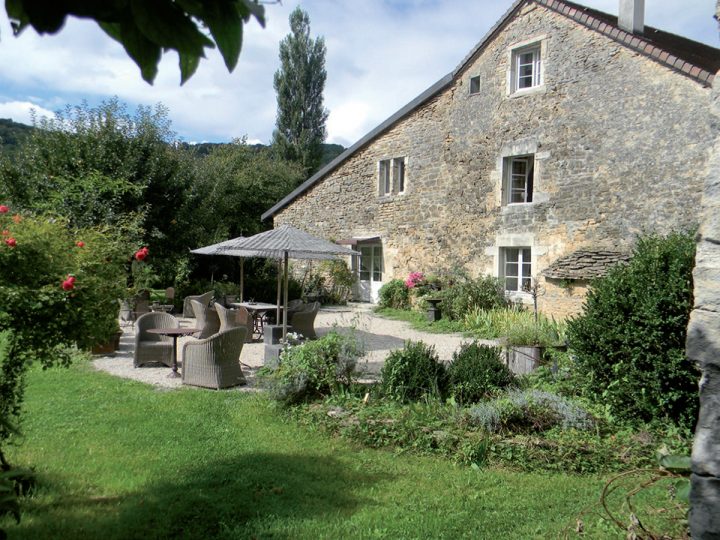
703,346
620,145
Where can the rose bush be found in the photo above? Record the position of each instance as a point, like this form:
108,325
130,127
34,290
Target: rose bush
55,297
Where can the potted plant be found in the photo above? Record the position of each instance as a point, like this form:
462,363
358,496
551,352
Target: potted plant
527,341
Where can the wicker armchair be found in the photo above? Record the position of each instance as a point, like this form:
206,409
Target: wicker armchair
153,348
233,318
214,362
202,298
302,321
207,321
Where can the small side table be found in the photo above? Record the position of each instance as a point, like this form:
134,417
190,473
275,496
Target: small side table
174,333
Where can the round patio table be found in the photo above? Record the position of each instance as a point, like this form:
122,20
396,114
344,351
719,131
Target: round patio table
174,333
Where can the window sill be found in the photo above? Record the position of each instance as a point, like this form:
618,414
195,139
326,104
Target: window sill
540,89
390,197
519,297
518,207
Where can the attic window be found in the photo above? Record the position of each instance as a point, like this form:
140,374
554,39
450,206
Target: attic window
475,84
526,67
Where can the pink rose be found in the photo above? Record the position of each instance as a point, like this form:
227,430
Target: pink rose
68,285
11,242
4,209
80,243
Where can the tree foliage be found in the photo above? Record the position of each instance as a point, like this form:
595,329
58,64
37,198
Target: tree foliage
236,184
299,83
102,166
147,29
630,339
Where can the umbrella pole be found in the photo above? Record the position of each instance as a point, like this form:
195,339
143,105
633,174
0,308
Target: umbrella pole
285,293
279,285
242,277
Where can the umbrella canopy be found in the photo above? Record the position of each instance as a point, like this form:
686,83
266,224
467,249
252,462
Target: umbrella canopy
276,243
286,242
223,248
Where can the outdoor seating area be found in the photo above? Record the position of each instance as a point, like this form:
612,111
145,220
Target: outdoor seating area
379,337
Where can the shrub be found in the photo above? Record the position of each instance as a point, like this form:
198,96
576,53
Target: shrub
484,292
476,372
630,339
314,369
59,290
330,282
394,294
413,372
529,411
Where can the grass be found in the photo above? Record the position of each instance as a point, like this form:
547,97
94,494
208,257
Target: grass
119,459
419,321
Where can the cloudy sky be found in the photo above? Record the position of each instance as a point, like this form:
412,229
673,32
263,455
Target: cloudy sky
380,55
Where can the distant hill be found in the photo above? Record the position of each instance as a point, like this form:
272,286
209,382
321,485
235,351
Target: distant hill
12,133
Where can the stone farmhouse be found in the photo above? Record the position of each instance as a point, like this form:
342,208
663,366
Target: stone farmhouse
563,135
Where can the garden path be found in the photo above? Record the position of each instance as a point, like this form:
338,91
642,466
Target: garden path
378,335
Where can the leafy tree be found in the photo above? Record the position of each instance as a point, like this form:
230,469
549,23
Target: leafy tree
299,83
147,29
98,166
236,183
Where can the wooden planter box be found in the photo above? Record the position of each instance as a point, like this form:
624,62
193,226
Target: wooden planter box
522,360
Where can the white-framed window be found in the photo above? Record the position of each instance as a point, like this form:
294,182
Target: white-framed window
391,176
370,263
527,68
516,268
518,178
475,84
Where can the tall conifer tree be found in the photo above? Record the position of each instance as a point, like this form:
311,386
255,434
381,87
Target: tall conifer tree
299,83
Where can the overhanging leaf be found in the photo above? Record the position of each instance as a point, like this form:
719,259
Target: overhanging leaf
226,28
188,64
166,25
144,53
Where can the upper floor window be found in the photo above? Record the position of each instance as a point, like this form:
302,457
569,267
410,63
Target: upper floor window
475,84
527,67
391,176
518,179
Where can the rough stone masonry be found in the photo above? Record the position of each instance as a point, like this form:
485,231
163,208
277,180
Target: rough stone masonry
703,346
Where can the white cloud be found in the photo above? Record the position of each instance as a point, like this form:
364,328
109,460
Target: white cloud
380,55
23,111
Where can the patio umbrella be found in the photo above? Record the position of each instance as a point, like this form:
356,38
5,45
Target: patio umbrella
285,242
221,248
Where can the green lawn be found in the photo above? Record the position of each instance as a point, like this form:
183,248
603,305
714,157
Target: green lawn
119,459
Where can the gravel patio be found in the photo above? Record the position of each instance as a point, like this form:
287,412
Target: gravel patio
378,335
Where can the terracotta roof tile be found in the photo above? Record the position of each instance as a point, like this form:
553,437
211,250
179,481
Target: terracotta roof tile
661,46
